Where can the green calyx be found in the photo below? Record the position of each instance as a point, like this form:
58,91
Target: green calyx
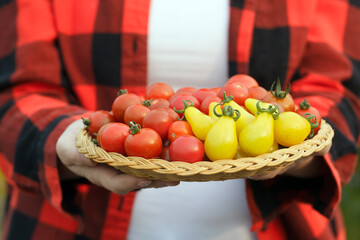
277,92
95,141
304,105
86,121
311,118
147,103
274,110
227,111
226,99
134,128
122,91
186,105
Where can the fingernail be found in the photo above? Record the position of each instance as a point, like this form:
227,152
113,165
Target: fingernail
144,183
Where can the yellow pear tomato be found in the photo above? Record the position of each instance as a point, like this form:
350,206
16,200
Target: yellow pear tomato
221,141
291,129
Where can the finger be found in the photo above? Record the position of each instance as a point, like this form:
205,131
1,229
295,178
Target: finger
112,179
85,161
116,181
159,184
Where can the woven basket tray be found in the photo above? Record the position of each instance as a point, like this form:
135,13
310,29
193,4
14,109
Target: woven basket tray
160,169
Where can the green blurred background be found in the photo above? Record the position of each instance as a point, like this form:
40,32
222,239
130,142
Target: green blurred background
350,204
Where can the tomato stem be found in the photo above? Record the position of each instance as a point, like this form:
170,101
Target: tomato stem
226,99
215,112
186,105
313,123
134,128
147,103
274,110
122,91
228,111
278,93
95,141
304,105
86,122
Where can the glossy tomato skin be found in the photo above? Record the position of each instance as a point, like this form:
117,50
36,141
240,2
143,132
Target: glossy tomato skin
146,143
177,101
188,90
121,103
257,92
187,149
179,128
158,120
216,90
159,90
238,90
202,93
287,102
112,137
290,129
312,110
172,113
206,103
99,133
136,113
159,103
244,79
97,119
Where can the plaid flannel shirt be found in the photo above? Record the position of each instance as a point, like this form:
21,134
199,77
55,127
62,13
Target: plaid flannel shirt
60,59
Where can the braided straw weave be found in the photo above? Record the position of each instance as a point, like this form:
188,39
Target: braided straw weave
160,169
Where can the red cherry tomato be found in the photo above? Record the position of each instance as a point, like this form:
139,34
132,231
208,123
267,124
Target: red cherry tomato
174,115
187,149
188,90
136,112
111,137
122,102
287,102
159,103
99,133
281,97
146,143
159,90
179,128
257,92
216,90
177,101
206,103
238,90
96,120
203,93
305,107
158,120
244,79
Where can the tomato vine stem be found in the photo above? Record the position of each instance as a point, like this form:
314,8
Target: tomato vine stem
274,110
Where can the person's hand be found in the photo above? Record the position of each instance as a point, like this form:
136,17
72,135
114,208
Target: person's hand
75,165
307,167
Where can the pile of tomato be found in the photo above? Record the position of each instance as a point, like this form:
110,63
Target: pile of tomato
236,120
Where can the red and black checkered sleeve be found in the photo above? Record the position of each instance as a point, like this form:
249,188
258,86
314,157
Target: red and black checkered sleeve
35,104
328,75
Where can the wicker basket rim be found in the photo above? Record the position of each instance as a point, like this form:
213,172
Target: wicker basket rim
204,170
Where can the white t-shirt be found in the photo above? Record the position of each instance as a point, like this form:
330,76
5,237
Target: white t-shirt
187,46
